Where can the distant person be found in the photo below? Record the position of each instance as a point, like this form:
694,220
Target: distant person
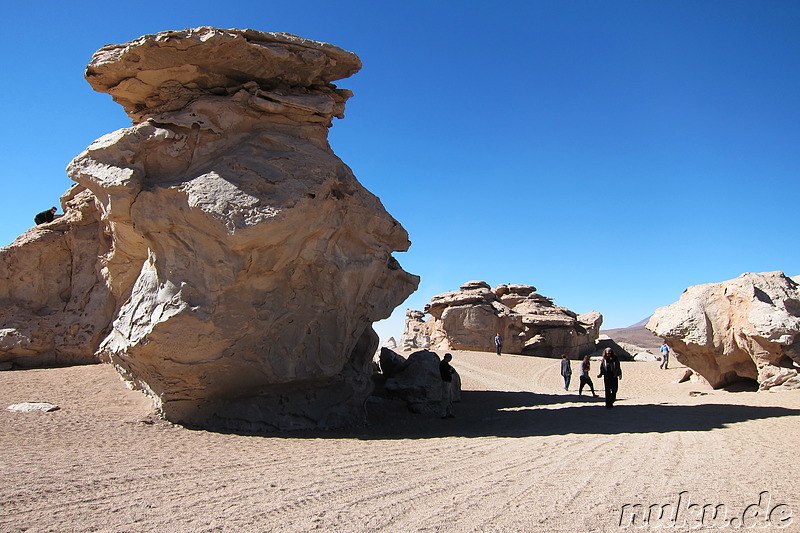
498,343
446,371
566,370
611,372
45,216
664,356
586,378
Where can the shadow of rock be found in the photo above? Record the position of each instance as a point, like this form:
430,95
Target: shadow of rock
526,414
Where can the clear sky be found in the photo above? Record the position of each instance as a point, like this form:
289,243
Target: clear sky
609,153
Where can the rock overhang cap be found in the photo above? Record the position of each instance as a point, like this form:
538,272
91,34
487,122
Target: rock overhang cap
216,60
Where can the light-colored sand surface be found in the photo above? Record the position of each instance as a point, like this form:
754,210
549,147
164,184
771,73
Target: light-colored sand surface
521,455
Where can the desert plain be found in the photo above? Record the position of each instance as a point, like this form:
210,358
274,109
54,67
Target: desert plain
522,454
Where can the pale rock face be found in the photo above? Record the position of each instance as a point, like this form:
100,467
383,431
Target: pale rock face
745,328
245,261
529,323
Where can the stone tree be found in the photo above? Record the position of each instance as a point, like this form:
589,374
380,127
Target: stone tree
244,261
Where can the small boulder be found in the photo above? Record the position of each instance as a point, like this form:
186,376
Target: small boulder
419,384
27,407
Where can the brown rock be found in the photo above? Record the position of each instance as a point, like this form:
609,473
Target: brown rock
530,323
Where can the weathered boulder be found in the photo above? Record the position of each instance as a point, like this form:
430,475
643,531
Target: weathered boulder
604,341
625,351
639,353
529,323
390,362
747,328
56,305
242,261
419,383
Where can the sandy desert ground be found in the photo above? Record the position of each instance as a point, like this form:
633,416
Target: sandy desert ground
521,455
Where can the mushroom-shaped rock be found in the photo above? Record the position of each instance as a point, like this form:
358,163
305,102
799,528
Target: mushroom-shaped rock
231,265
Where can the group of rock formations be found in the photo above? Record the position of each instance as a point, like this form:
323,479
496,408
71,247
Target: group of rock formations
217,252
230,266
529,323
747,328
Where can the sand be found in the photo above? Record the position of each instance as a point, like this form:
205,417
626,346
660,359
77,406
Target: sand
521,455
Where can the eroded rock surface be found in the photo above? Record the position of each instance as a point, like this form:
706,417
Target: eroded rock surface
747,328
56,305
244,262
529,323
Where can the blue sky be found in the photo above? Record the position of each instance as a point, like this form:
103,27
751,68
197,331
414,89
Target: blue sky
609,153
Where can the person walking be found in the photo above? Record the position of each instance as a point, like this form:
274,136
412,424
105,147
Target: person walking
611,372
664,356
586,378
446,371
498,343
45,216
566,370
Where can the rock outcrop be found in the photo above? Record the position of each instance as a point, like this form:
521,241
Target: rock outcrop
417,380
529,323
624,351
243,262
56,307
747,328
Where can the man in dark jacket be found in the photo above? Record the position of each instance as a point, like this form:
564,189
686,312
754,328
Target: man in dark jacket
566,370
45,216
446,371
611,372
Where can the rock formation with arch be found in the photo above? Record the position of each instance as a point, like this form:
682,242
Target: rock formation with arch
747,328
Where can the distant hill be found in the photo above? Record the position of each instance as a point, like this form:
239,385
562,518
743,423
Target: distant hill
639,324
636,334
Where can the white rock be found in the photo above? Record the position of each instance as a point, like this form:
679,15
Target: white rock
27,407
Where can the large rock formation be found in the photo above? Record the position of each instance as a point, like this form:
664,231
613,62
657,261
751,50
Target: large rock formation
243,261
747,328
529,323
